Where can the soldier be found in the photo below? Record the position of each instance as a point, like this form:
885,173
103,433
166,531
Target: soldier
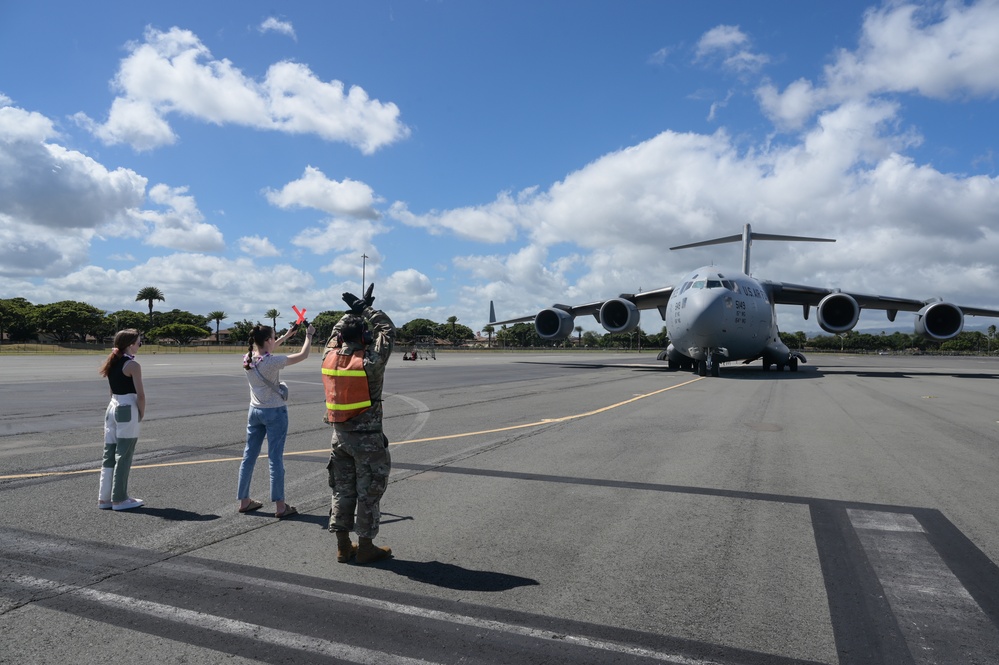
353,374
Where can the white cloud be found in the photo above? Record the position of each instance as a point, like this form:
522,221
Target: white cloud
181,226
257,246
408,286
731,45
493,222
173,72
315,190
53,200
272,24
942,51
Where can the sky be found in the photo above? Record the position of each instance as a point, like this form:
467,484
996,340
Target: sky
244,156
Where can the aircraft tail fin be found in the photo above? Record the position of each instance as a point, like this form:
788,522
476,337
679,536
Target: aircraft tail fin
747,238
492,313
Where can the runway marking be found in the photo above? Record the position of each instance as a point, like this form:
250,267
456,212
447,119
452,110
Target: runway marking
280,638
310,644
545,421
439,615
938,618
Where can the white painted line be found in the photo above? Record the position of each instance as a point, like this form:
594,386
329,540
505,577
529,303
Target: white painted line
939,620
281,638
437,615
879,521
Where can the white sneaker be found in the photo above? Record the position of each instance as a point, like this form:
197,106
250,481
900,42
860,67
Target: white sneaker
104,505
128,504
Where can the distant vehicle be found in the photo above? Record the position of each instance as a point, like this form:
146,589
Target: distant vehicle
717,315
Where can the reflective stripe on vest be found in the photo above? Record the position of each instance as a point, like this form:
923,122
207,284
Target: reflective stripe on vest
346,385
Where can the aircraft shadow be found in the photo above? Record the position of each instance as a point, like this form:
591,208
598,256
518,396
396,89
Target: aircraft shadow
746,372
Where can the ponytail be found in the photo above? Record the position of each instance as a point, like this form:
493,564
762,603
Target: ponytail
122,340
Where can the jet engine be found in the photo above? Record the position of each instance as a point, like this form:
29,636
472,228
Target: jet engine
940,321
618,315
838,313
554,323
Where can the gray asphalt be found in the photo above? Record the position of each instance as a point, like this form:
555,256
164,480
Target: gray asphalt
577,508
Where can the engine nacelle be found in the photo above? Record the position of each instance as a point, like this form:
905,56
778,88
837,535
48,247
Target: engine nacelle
619,316
940,321
837,313
554,323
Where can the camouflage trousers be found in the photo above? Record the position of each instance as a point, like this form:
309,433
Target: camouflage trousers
358,474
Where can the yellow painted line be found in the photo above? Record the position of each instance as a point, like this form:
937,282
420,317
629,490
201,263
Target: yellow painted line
546,421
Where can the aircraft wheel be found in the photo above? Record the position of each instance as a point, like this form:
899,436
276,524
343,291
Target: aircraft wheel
714,369
766,366
702,368
674,364
793,365
780,367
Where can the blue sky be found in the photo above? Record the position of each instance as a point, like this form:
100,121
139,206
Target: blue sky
243,156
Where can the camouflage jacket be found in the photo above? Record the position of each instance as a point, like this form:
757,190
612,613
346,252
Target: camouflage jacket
376,356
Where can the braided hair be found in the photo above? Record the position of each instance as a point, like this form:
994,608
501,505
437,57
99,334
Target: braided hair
258,336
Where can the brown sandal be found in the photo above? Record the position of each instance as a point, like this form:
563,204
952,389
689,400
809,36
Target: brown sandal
288,512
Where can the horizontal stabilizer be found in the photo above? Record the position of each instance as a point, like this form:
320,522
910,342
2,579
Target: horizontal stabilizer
747,238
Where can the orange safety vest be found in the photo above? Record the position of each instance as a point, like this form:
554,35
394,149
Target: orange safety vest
346,385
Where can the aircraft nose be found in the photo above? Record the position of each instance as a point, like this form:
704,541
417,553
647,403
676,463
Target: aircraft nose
707,314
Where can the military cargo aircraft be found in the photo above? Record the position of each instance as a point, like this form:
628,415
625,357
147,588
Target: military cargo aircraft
713,315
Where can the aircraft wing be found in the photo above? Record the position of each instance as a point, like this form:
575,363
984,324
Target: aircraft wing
645,300
798,294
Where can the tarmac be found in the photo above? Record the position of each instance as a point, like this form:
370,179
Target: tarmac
543,508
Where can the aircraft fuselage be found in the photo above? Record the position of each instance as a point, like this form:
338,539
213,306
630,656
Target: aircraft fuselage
714,316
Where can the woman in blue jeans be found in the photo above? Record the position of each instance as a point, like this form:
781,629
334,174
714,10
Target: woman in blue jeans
268,414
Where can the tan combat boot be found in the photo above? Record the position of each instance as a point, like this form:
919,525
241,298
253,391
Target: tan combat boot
367,552
344,548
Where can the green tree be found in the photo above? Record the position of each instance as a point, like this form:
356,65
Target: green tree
324,323
417,328
489,330
182,316
520,334
182,332
240,331
454,332
17,319
120,320
217,316
273,314
67,319
149,294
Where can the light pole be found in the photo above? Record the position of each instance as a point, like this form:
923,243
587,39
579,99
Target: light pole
364,263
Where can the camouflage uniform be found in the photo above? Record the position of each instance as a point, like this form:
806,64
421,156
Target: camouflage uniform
360,462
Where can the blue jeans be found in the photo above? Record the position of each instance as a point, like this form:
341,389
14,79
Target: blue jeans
273,423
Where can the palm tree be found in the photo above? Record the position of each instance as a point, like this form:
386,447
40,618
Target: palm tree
579,337
217,317
272,314
149,294
489,330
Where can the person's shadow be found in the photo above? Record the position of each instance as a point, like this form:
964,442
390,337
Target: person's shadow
450,576
173,514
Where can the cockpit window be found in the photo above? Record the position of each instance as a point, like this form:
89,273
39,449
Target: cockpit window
686,285
699,284
714,284
730,285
